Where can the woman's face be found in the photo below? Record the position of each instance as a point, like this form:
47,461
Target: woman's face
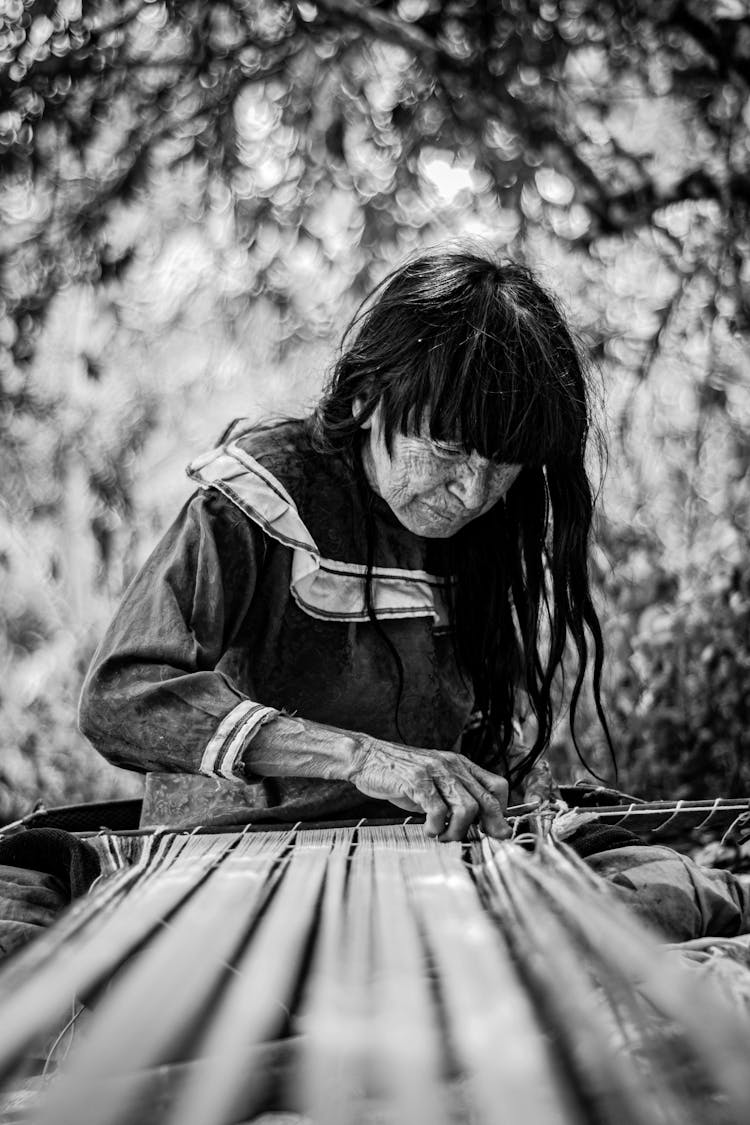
433,488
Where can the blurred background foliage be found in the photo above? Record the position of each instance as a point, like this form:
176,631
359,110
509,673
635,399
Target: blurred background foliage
194,195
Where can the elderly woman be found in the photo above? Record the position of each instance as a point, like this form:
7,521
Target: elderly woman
345,616
347,595
350,609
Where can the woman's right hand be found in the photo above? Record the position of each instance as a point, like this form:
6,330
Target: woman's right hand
452,791
448,788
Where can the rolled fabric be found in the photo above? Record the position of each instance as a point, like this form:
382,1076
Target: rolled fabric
41,871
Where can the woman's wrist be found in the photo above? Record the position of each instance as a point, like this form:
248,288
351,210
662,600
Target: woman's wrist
293,747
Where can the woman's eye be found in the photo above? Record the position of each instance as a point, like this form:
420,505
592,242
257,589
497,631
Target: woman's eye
448,450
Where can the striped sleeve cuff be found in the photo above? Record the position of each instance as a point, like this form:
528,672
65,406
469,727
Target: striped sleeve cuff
232,735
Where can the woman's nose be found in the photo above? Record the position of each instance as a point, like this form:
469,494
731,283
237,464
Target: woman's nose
470,485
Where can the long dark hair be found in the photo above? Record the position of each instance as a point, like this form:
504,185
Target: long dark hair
482,349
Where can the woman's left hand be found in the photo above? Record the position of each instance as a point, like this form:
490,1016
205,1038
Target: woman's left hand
540,787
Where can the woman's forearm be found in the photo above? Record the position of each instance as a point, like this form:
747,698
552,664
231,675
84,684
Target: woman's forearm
293,747
451,791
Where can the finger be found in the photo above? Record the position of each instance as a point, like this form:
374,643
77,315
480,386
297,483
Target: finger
436,811
493,782
404,803
493,822
541,793
463,809
492,804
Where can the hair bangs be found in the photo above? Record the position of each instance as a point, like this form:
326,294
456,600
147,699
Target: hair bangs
421,396
505,398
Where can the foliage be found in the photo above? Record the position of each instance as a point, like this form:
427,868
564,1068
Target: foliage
593,120
680,687
43,659
194,195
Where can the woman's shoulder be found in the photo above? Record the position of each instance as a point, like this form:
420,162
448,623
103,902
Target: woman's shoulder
284,446
275,474
284,450
268,436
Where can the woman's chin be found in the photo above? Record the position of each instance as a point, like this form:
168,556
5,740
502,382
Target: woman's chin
430,524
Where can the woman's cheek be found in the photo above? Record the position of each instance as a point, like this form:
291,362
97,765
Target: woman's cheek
426,469
416,475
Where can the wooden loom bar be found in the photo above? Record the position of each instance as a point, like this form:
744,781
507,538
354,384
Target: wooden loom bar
651,817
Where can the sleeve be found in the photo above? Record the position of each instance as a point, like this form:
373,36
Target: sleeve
153,699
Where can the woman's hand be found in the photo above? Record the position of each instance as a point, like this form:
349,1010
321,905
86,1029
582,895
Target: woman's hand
449,789
540,787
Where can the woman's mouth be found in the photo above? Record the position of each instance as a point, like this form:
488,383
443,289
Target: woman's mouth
442,514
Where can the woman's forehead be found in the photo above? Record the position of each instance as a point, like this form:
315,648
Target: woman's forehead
488,433
436,449
446,435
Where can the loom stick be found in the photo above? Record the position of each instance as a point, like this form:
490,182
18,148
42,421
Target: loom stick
222,1088
37,990
408,1060
339,1027
655,817
495,1033
612,1084
158,999
370,1028
717,1033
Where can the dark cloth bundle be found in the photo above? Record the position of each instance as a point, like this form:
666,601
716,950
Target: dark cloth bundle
594,838
41,871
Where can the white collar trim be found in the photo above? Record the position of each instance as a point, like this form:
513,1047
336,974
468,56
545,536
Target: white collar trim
328,589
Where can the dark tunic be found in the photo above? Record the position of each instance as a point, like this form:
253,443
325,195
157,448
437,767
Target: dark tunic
254,600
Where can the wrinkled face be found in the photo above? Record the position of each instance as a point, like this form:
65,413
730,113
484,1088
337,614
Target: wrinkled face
433,488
